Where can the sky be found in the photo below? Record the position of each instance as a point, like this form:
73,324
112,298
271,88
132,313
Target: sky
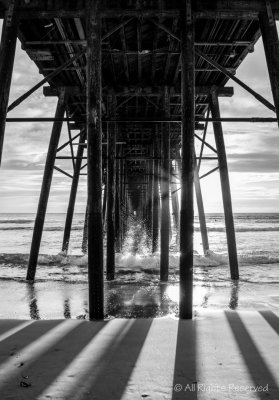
252,149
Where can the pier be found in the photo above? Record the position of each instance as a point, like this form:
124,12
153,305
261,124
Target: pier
137,84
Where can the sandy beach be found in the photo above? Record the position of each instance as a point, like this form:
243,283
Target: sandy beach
142,358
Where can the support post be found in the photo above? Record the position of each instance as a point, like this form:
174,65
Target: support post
45,189
187,162
94,155
7,55
150,196
111,202
225,186
165,193
271,47
156,199
84,245
117,208
73,194
105,202
202,219
174,196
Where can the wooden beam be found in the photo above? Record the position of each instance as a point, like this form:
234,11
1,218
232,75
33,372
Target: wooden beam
156,198
94,167
202,218
138,90
45,189
205,9
72,199
235,79
111,186
43,81
7,55
271,47
165,190
225,186
188,163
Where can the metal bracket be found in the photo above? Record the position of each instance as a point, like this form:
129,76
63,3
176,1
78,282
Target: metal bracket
269,13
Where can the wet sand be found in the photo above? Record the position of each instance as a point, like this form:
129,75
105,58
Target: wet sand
218,355
128,297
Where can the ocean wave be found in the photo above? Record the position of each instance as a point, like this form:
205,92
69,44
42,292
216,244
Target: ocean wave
46,229
243,229
16,221
138,263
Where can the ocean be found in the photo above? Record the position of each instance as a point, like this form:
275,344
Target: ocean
60,289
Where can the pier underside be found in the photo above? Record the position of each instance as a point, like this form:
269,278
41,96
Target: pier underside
137,84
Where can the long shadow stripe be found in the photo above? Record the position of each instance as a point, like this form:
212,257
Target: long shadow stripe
76,378
271,319
120,363
104,368
31,352
44,370
258,369
10,330
14,343
184,378
10,324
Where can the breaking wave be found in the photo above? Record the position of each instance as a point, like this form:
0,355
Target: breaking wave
136,262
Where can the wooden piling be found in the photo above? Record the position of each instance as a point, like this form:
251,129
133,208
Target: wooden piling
271,47
117,208
150,196
73,193
84,245
94,155
7,55
45,189
202,219
187,162
156,199
104,204
165,195
111,153
174,196
225,186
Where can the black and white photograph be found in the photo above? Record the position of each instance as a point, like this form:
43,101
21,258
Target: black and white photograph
139,200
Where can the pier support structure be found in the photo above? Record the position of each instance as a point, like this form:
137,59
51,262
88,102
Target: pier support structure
73,194
156,198
165,193
225,186
271,47
45,189
7,55
187,160
202,219
94,160
111,183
